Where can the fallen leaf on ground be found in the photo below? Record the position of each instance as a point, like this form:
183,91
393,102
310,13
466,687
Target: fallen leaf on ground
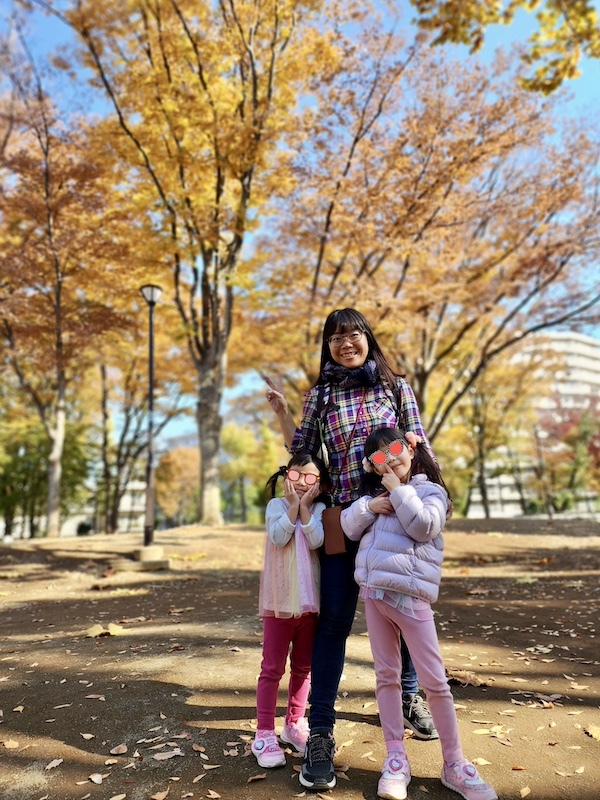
10,744
118,797
119,749
481,762
160,795
115,630
96,778
465,677
95,630
169,754
525,791
55,763
212,794
87,735
593,731
256,777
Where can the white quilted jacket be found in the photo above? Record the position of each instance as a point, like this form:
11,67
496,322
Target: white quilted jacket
401,552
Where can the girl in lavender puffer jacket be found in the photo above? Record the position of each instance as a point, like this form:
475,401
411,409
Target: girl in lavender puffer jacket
399,523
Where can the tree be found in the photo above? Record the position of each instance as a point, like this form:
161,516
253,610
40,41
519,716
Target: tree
568,441
177,485
24,450
123,398
201,94
492,417
461,222
59,257
567,31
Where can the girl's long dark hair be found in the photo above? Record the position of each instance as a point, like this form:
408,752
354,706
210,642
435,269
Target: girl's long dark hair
345,320
301,460
422,462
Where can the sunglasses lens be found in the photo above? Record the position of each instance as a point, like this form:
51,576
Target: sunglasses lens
293,475
378,458
311,479
396,448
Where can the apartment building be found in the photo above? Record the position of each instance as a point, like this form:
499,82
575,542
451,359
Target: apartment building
574,385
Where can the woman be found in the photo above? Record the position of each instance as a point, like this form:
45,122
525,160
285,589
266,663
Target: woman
356,392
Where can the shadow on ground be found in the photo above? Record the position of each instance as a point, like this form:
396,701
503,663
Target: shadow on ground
517,620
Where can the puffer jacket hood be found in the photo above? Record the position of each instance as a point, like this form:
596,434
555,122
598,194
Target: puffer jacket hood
401,552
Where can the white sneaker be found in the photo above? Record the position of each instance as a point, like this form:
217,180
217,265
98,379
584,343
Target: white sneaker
296,734
462,777
395,777
267,750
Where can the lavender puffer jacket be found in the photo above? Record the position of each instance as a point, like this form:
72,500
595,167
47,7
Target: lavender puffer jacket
401,552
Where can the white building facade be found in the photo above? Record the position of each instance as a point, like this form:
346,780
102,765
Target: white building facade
574,386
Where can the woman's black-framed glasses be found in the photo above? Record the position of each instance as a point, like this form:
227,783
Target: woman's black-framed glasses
379,457
338,339
309,477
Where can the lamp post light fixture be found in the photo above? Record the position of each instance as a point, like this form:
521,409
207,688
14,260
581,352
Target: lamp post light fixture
151,294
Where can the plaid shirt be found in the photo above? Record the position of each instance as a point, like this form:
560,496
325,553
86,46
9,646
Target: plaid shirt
340,408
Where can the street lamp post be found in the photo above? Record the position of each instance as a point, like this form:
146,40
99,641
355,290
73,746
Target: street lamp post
151,294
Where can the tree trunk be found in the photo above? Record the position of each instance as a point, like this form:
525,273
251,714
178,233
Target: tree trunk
515,472
108,525
481,482
55,471
243,504
112,517
209,432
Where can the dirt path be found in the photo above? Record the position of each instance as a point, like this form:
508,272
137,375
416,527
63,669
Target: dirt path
517,618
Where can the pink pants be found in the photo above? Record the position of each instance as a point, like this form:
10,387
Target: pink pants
278,634
385,623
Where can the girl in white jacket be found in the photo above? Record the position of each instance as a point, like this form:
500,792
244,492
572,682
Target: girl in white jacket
399,523
289,602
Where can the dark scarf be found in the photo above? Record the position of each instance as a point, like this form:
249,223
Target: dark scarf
336,374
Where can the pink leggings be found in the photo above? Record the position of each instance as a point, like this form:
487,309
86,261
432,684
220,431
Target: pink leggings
278,634
385,623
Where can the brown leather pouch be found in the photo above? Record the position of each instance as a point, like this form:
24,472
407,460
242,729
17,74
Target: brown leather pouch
335,541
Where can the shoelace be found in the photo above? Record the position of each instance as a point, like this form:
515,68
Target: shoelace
319,751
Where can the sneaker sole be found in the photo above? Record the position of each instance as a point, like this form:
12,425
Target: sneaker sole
454,789
283,738
393,796
269,766
318,784
424,737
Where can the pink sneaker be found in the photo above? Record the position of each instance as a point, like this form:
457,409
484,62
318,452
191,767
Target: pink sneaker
267,751
296,734
462,777
395,777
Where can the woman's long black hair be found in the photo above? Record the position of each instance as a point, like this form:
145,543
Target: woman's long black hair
346,320
422,462
300,460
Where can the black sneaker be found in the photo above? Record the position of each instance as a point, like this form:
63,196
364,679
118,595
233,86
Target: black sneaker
418,719
317,768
